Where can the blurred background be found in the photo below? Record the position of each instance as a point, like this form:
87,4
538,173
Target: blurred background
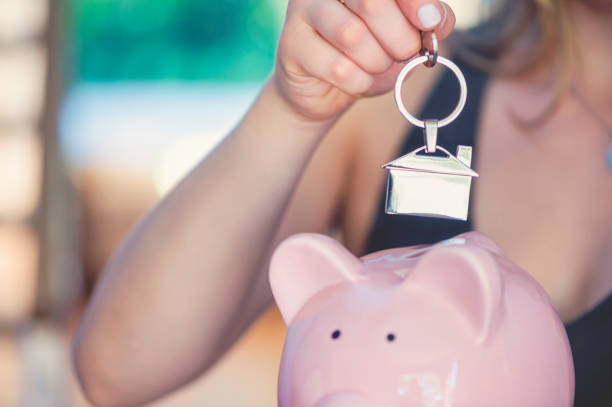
104,105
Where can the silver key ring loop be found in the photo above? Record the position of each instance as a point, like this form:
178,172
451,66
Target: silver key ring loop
413,63
429,47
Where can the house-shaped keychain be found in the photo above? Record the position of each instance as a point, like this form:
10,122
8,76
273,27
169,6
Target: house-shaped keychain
427,185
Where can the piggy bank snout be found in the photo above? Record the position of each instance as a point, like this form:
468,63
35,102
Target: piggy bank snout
343,399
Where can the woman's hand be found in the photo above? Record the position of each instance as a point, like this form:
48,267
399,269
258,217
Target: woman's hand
330,53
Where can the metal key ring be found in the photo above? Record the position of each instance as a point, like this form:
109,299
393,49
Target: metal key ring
413,63
429,47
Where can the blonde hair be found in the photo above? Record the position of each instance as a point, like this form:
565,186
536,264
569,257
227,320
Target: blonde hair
521,36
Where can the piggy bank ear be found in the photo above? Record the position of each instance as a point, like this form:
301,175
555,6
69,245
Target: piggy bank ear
468,277
305,264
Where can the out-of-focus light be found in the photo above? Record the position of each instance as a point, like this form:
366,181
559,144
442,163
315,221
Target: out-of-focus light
44,361
468,12
19,257
9,371
22,18
21,169
180,158
128,126
22,80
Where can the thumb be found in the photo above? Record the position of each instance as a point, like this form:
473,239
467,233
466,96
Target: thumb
429,15
385,81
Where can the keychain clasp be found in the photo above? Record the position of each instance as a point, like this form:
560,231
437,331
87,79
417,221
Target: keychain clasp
429,47
431,135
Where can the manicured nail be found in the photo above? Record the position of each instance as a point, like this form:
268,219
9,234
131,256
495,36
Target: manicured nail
429,15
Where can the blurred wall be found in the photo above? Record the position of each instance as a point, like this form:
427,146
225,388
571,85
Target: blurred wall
39,259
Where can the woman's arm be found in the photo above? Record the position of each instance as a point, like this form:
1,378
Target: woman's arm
180,289
190,278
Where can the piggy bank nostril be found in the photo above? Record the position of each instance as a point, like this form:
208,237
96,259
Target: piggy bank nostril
390,337
335,334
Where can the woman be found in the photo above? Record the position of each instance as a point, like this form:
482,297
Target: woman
306,157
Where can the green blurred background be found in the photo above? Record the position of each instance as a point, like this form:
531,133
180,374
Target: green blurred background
230,40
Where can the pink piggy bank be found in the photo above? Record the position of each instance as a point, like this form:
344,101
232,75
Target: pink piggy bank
454,324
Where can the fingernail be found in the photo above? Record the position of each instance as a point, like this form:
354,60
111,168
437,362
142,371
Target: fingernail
429,15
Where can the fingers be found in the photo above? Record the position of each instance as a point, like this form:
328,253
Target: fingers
390,27
361,28
323,61
348,33
354,45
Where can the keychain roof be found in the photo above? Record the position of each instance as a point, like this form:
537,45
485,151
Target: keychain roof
450,165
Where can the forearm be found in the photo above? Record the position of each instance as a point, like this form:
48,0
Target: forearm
173,289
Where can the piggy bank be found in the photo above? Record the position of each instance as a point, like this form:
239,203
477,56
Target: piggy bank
455,324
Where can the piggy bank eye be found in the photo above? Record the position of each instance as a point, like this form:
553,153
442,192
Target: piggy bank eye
335,334
390,337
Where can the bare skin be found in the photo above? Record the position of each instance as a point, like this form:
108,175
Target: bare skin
192,276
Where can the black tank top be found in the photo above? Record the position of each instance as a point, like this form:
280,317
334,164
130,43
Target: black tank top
590,335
